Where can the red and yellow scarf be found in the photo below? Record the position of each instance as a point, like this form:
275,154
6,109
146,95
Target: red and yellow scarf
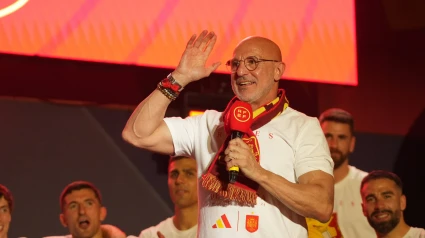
244,190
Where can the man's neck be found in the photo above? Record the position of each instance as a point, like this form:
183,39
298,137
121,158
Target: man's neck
99,234
185,218
341,172
399,231
258,104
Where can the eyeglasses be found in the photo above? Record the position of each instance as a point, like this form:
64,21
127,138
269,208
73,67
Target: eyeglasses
251,63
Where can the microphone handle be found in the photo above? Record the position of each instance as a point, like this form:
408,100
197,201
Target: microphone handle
234,171
236,134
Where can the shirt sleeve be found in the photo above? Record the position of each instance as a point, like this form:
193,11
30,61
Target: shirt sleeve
183,133
312,150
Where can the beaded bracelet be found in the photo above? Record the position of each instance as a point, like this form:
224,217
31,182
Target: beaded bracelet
170,87
167,92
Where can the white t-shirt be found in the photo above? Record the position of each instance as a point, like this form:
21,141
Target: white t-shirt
291,145
415,232
348,206
168,229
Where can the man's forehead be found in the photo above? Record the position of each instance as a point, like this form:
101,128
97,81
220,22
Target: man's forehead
335,126
245,51
379,185
81,194
257,46
3,202
181,164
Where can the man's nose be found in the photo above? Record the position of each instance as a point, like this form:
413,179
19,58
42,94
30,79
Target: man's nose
81,209
379,205
241,69
332,143
180,179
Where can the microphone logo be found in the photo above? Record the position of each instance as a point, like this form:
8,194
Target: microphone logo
241,114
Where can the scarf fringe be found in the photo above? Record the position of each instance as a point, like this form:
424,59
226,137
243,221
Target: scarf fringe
233,192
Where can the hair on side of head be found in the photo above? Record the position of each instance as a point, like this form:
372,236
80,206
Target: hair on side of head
7,195
337,115
175,158
382,174
78,185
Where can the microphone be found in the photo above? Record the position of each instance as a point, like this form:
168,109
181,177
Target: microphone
240,121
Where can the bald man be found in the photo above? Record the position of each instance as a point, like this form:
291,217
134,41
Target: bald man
282,166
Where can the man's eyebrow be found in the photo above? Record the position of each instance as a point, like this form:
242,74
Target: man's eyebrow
189,170
72,202
388,193
369,196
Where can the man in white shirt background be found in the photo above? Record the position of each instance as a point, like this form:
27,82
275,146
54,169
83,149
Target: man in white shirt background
347,219
384,204
182,185
83,212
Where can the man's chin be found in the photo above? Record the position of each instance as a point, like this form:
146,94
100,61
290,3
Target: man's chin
184,204
83,233
338,162
383,227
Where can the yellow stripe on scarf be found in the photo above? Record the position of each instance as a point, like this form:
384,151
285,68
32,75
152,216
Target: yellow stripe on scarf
263,109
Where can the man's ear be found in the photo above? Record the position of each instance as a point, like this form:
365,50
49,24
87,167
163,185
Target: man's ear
279,71
63,220
403,202
103,213
352,144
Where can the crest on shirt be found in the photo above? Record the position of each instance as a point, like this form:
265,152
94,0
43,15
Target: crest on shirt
251,223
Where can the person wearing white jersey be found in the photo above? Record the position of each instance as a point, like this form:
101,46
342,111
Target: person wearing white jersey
83,213
347,219
285,169
182,185
383,205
